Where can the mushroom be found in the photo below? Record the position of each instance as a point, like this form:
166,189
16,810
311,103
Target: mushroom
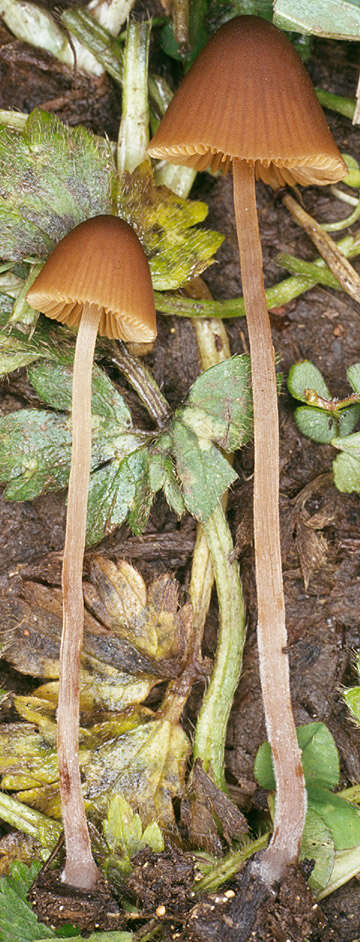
247,104
98,278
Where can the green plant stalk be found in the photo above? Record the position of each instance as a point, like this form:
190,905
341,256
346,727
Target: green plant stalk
170,303
280,294
210,733
133,132
328,249
334,406
350,249
345,106
230,865
105,50
343,223
31,822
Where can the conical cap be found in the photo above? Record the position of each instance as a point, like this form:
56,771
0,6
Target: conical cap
249,96
101,262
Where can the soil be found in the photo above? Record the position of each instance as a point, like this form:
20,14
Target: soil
322,601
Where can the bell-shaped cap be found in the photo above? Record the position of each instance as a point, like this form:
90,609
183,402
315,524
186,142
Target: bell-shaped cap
248,96
100,262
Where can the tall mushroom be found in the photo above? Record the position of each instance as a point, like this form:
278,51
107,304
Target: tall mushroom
247,104
98,278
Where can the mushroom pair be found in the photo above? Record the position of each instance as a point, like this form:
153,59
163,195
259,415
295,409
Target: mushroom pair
247,105
97,278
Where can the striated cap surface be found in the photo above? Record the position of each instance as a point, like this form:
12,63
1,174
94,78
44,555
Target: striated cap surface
101,262
249,96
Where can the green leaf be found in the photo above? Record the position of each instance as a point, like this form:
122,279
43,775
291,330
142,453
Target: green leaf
162,475
346,470
49,342
119,489
53,384
219,405
15,353
53,177
348,419
34,453
350,445
35,450
316,424
125,835
317,844
353,375
352,699
204,472
304,375
147,765
320,759
341,817
338,19
26,759
165,224
18,922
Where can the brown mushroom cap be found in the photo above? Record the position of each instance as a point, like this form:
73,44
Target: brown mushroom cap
249,96
100,262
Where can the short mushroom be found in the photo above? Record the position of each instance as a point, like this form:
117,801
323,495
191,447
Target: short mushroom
247,104
98,278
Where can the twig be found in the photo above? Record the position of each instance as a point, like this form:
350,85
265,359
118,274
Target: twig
339,265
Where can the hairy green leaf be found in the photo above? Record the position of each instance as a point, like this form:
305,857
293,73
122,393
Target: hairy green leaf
53,383
346,470
317,844
339,19
18,922
204,472
304,375
53,177
219,405
117,491
316,424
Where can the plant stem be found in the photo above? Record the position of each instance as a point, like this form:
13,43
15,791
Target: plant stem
141,381
167,302
345,106
344,223
31,822
134,125
338,264
272,638
212,553
80,868
95,41
229,866
210,733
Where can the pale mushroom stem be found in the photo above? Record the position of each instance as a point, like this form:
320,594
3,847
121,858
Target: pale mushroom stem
290,807
80,868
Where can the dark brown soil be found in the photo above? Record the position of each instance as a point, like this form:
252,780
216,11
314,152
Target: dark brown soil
322,612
